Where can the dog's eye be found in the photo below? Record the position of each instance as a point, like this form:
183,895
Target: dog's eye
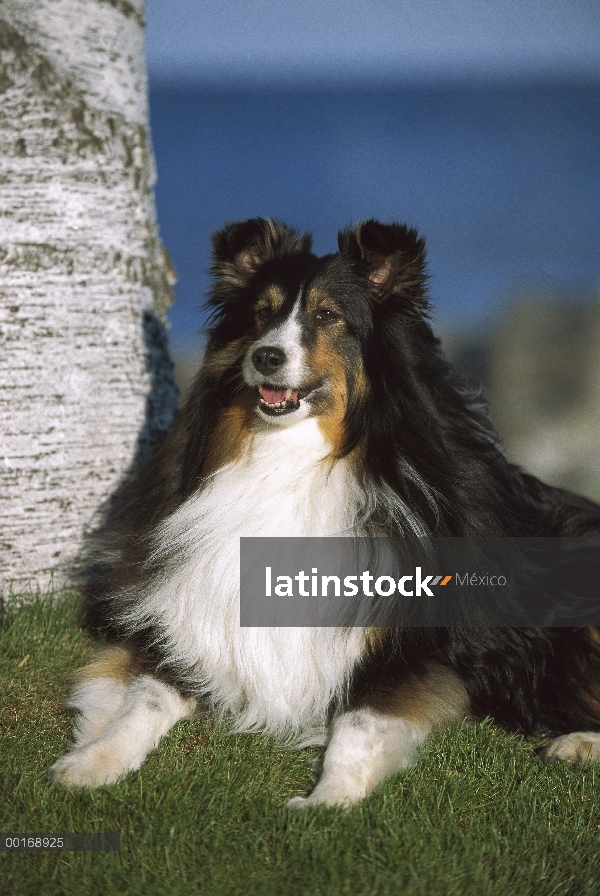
263,313
325,314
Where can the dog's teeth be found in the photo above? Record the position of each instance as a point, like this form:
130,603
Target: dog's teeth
288,395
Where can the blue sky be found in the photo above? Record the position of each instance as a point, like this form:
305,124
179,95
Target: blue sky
263,40
479,124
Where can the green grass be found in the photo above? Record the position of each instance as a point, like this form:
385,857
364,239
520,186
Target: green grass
205,814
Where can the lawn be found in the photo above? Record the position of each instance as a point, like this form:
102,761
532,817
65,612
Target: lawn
205,814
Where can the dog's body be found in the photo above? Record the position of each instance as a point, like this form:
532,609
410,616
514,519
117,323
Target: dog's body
323,408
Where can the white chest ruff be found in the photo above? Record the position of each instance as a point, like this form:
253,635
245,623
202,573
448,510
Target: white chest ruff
282,680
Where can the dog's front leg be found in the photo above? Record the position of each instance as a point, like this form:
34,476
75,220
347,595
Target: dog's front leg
108,746
365,748
377,739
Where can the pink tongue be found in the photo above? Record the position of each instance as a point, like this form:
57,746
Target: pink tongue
273,396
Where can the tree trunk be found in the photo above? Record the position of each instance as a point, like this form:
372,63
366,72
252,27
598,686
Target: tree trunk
86,384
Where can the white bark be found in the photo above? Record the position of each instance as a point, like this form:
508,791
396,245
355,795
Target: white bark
85,380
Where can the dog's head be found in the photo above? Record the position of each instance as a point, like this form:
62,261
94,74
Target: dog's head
303,327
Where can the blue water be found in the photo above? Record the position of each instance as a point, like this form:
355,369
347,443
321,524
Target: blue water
503,180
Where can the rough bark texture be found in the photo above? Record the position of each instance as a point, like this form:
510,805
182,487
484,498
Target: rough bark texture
86,384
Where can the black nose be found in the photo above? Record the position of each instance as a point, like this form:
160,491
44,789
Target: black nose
268,360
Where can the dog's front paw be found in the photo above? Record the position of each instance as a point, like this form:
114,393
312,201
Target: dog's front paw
89,766
340,794
576,748
297,803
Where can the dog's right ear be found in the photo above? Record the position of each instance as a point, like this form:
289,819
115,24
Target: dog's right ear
240,249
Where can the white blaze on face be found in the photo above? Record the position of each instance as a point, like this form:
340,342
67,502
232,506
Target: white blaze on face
286,337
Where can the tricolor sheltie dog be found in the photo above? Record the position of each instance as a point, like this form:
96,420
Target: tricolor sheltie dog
323,407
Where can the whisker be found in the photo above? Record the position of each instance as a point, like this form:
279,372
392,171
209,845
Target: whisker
232,378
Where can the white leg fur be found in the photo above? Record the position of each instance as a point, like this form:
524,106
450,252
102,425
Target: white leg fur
578,747
365,748
97,701
145,711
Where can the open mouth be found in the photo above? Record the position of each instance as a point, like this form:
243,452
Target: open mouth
277,401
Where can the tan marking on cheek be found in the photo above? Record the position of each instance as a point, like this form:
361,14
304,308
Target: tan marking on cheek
360,388
231,434
111,662
325,362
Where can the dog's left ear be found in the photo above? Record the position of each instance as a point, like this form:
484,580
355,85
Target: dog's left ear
391,255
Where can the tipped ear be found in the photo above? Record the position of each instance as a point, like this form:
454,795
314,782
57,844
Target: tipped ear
240,249
393,258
